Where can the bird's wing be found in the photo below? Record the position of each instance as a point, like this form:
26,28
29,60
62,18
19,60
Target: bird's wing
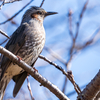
14,44
19,81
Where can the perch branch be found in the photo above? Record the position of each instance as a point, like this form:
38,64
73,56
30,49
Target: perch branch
34,74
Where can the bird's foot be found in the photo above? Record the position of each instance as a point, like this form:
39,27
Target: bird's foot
35,69
19,58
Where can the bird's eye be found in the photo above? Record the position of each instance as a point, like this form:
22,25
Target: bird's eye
39,12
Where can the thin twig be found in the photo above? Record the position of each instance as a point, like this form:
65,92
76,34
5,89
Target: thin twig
3,33
68,74
77,31
42,3
3,41
55,55
64,85
95,37
72,37
70,23
29,88
73,92
80,19
12,1
12,21
4,2
16,13
71,78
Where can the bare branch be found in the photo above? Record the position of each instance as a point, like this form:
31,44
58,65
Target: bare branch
42,3
80,19
55,55
34,74
72,37
93,39
29,88
12,21
16,13
73,92
4,41
64,85
4,2
65,64
77,31
12,1
70,23
91,89
68,74
3,33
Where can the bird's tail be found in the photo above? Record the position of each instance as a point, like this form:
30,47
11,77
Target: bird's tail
3,84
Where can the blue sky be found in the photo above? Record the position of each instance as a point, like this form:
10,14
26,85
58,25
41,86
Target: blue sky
84,65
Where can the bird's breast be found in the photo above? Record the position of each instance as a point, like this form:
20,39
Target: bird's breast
34,43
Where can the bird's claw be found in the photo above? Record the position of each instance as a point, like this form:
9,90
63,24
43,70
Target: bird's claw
19,58
35,69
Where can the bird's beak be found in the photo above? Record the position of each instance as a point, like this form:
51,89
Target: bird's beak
50,13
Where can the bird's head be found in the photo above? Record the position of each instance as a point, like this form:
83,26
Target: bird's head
36,13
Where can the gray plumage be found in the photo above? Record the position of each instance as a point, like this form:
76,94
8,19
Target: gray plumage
27,42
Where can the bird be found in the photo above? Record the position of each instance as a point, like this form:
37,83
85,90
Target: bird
27,43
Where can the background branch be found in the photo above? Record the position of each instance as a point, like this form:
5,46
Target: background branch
55,55
80,19
3,33
29,88
42,3
67,74
4,2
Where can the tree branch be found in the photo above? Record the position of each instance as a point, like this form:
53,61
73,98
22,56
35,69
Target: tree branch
34,74
42,3
68,74
29,88
12,21
80,19
3,33
4,41
93,39
4,2
91,89
70,23
55,55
